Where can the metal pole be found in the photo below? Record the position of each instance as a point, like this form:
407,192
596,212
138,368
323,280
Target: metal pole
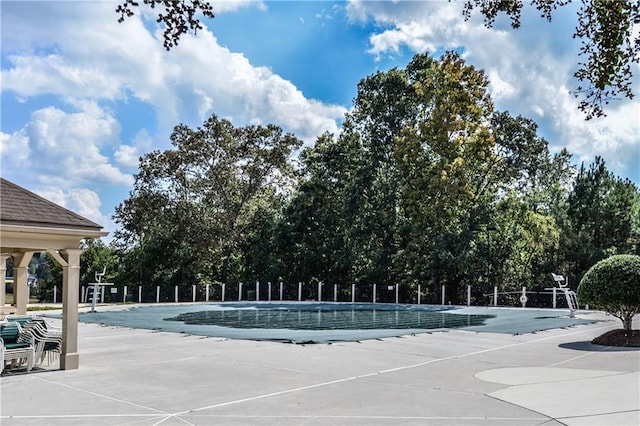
443,294
176,294
206,297
224,287
468,295
193,293
419,293
495,295
281,295
397,290
124,295
257,290
157,294
319,291
374,292
299,291
335,292
554,298
353,293
239,292
269,283
55,294
139,294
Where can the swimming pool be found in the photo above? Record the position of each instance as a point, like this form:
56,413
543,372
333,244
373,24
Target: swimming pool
310,322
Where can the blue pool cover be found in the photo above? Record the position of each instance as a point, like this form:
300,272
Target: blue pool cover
310,322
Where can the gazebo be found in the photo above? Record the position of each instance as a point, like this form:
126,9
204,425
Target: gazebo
30,224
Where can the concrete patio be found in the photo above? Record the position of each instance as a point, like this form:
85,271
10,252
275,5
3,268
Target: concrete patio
142,377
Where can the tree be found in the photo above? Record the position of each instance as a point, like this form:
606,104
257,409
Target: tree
314,235
613,285
178,16
446,161
191,206
96,257
605,29
600,217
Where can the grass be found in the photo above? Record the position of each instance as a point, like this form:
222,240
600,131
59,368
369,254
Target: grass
43,308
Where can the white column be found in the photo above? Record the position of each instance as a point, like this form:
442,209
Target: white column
3,273
70,359
20,282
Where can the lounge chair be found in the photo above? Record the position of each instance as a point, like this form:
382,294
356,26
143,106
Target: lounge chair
48,339
17,346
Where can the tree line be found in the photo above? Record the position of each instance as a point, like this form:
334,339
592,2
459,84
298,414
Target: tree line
426,184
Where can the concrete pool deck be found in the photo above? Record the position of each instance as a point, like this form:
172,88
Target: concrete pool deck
145,377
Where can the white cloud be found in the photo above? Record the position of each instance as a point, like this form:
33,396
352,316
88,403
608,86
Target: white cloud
33,75
65,148
84,202
127,156
195,79
221,6
14,149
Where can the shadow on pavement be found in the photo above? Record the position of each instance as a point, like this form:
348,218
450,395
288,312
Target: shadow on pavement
587,346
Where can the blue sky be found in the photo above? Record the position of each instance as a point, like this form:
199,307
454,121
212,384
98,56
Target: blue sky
83,96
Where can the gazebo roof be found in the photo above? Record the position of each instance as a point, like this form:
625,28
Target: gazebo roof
31,222
19,206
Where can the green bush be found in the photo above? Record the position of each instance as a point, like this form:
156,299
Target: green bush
613,285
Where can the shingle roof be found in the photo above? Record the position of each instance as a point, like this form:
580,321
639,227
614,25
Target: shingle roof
19,206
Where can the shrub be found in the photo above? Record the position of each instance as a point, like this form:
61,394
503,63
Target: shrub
613,285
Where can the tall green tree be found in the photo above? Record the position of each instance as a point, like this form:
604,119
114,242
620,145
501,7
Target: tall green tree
97,257
447,164
191,205
602,210
314,236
